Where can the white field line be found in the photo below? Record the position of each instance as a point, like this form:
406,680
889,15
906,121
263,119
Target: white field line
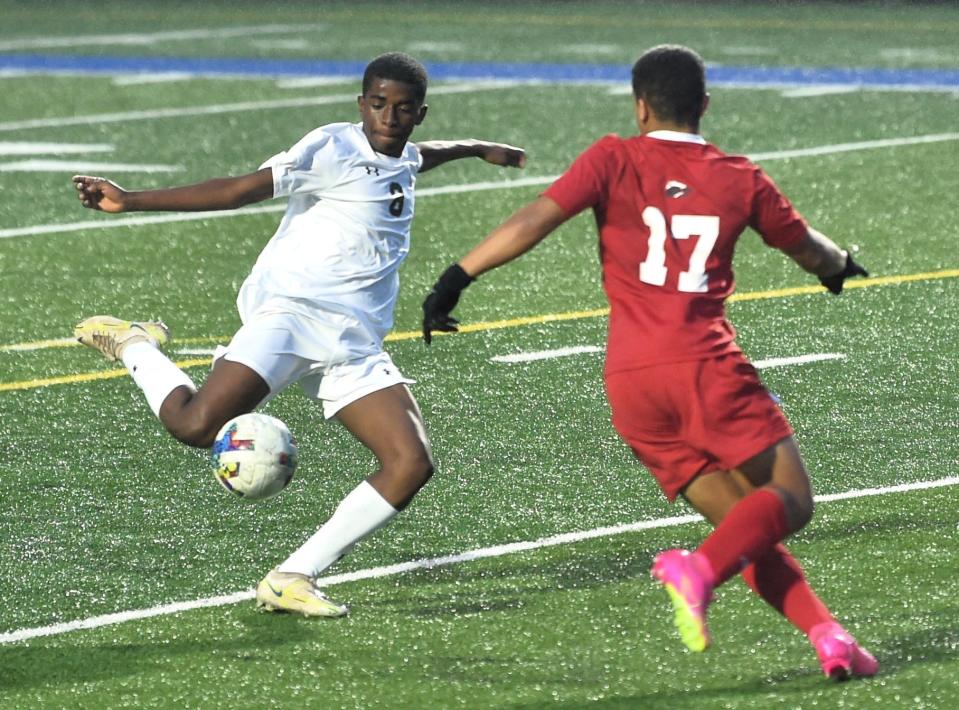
288,44
83,166
141,38
151,78
39,345
432,563
586,349
741,51
820,90
47,148
427,46
445,190
914,54
195,351
547,354
308,82
261,209
587,49
796,360
626,89
213,109
175,112
859,145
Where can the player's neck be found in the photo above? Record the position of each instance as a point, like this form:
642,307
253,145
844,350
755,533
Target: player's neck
656,125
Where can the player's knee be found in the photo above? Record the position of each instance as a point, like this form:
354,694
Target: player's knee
799,509
804,511
195,430
421,465
414,464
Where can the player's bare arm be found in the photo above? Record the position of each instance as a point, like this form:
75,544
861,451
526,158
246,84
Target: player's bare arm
819,255
517,235
526,228
227,193
438,152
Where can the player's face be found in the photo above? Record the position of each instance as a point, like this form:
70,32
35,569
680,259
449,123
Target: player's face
390,112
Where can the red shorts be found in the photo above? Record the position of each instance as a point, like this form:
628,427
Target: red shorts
689,418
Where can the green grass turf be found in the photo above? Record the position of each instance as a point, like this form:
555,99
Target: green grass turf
563,626
103,512
808,34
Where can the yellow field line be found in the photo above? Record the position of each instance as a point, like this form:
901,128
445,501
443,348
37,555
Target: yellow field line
861,283
468,328
86,377
72,342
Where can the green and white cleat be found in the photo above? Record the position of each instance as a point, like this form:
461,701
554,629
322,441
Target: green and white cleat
297,594
110,335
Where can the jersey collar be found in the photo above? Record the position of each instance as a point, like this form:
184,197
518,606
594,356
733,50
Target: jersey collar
677,136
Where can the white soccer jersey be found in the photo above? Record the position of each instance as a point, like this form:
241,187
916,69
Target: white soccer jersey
335,257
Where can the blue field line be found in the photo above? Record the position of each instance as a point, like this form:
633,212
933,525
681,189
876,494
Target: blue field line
940,79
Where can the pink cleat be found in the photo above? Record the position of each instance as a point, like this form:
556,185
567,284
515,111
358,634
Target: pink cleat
688,580
839,654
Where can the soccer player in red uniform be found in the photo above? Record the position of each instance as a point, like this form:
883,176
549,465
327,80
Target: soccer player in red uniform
669,208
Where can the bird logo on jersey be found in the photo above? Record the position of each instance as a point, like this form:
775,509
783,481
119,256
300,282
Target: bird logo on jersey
674,188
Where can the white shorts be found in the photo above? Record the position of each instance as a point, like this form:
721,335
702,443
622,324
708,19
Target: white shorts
268,345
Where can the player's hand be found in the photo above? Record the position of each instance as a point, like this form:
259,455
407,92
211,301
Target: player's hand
98,193
507,156
835,282
443,299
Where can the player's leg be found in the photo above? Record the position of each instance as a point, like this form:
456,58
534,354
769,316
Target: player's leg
739,510
753,507
191,415
720,409
389,423
648,410
689,577
750,517
775,575
194,416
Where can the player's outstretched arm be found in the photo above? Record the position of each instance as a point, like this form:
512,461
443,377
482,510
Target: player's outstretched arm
819,255
438,152
228,193
516,236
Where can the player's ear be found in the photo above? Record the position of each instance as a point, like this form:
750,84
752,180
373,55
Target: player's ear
421,114
642,112
705,104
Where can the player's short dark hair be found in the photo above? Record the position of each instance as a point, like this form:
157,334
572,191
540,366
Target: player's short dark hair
398,67
672,80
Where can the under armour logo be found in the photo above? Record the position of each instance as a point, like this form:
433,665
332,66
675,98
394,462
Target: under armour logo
372,170
674,188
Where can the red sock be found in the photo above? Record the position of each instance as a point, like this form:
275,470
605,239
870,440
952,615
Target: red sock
779,580
748,532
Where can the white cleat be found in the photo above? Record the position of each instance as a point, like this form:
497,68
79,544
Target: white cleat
295,593
110,336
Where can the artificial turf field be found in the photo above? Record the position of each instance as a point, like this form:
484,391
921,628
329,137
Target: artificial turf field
102,513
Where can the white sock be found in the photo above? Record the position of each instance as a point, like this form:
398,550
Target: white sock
361,513
154,373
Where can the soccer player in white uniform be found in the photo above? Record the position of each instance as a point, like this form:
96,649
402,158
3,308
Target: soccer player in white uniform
315,308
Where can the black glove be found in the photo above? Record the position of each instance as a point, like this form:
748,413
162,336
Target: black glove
834,282
443,299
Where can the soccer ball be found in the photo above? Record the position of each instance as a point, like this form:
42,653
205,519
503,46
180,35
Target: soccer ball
254,456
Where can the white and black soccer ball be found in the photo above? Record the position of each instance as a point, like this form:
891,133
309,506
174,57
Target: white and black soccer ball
254,456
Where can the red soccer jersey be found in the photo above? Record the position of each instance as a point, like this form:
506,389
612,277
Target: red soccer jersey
670,209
